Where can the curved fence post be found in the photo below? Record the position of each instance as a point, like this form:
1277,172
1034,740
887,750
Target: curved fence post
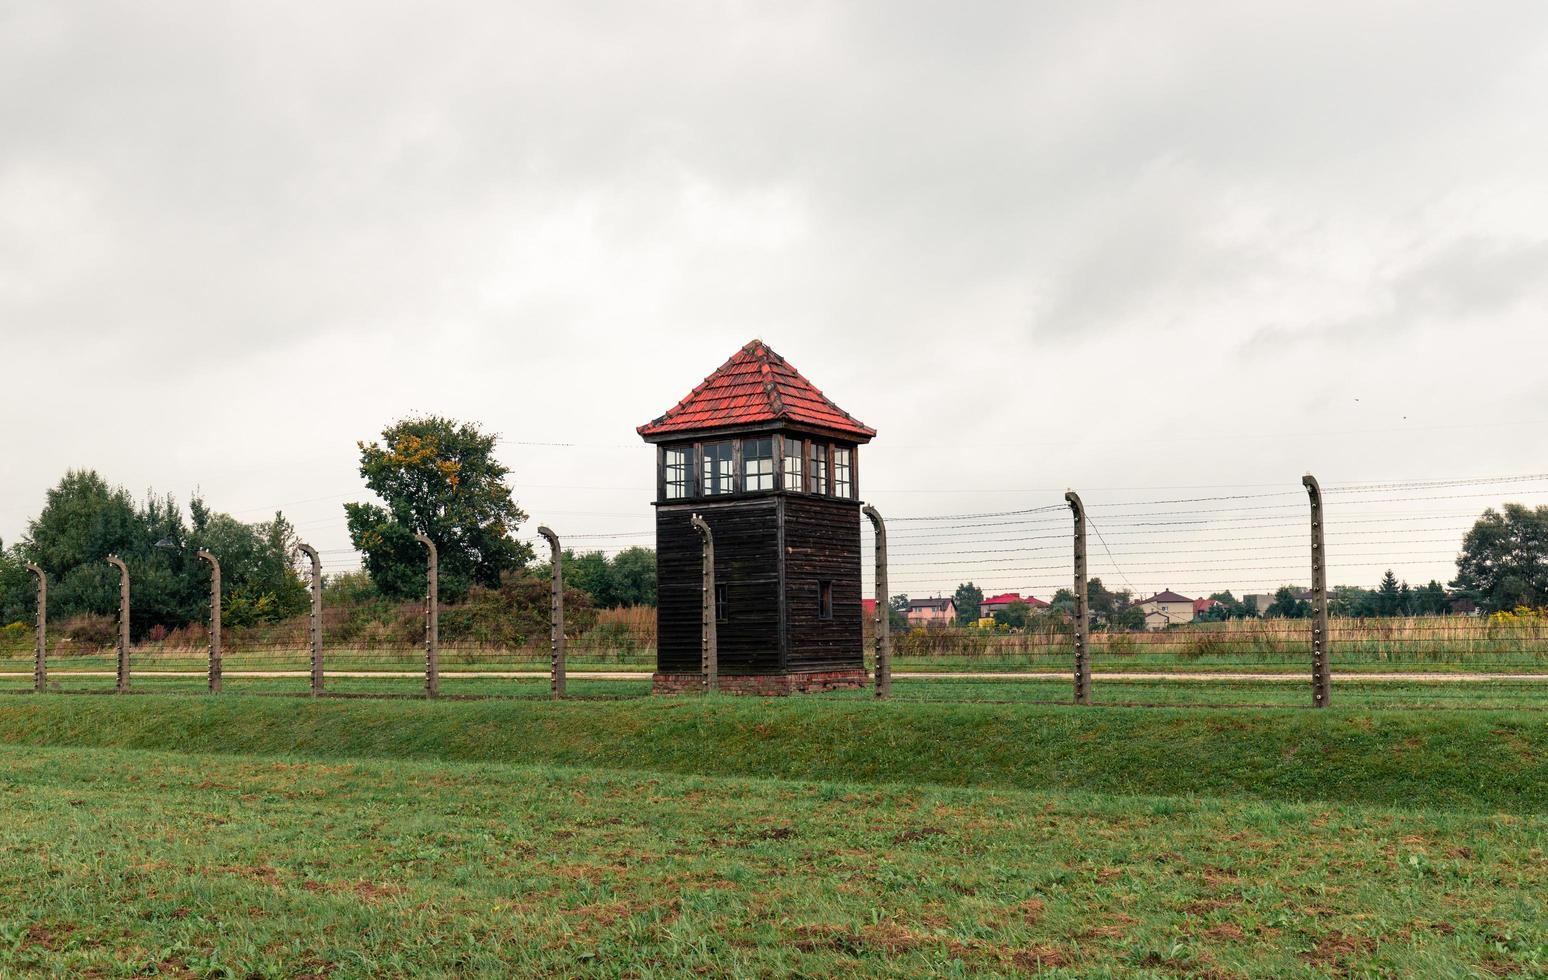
316,628
1322,681
432,619
40,655
123,620
1082,605
883,627
709,667
556,666
214,619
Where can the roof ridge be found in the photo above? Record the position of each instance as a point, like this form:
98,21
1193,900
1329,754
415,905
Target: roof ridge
755,386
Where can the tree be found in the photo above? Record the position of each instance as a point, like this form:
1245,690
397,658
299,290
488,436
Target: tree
84,520
18,600
1230,607
626,579
1351,600
1431,600
897,612
969,598
634,576
1287,606
1389,596
1014,615
439,478
1504,559
1063,602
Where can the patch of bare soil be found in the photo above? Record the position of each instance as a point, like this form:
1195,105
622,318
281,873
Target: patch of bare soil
908,836
1337,950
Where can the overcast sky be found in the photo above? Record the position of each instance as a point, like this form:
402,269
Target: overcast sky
1150,251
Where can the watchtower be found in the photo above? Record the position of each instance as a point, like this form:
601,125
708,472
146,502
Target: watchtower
773,467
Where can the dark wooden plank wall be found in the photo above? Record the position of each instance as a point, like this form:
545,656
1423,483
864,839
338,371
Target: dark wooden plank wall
746,562
822,541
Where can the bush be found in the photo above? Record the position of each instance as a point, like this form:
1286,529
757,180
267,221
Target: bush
90,631
514,615
15,637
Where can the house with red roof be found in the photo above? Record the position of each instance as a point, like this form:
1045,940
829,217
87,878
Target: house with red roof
1166,608
1000,603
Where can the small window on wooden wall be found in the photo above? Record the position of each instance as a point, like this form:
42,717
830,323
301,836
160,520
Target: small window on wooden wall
795,457
758,463
676,474
722,604
819,469
717,468
824,600
843,470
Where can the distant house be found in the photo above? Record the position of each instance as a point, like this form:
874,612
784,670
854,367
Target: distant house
1000,603
1166,609
931,612
868,609
1202,606
1259,602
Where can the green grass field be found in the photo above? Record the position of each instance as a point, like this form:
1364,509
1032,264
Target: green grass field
1349,689
136,863
274,836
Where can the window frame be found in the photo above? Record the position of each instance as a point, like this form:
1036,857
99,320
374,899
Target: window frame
820,483
795,452
722,603
685,485
844,488
763,479
710,475
825,600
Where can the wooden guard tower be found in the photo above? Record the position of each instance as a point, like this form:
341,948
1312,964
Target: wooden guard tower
773,467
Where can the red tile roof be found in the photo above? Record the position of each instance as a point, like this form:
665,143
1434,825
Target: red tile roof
756,385
1007,598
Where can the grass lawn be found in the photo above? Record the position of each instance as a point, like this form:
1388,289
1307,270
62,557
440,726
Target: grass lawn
117,862
1348,689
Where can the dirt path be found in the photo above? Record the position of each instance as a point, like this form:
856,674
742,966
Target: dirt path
625,675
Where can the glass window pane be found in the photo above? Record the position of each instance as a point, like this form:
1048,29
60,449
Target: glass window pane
717,468
819,469
794,459
758,464
676,474
842,484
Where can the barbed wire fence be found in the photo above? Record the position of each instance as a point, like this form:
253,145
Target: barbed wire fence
1153,638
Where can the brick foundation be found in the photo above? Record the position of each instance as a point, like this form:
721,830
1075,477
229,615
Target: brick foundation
765,685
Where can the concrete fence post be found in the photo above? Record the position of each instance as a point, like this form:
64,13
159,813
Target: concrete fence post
123,620
1322,681
709,667
883,627
40,654
556,665
432,619
316,620
1082,605
215,667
